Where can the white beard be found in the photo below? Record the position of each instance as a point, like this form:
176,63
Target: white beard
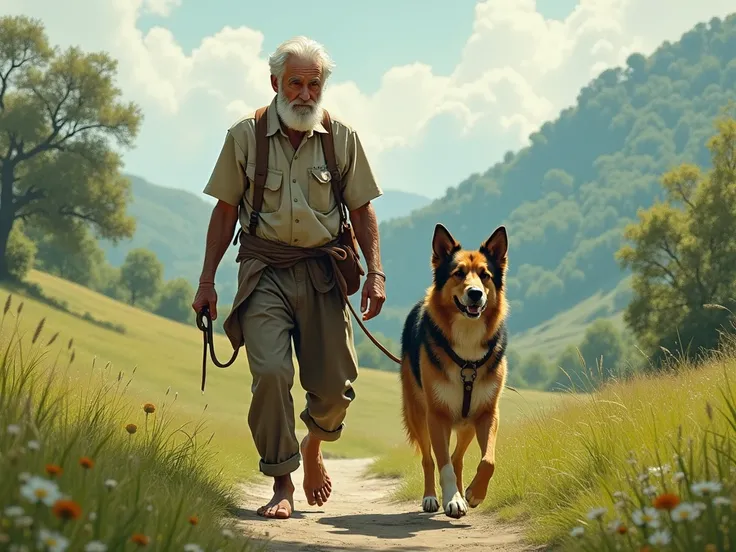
298,117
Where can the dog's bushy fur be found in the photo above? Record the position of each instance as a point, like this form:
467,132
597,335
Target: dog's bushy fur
462,315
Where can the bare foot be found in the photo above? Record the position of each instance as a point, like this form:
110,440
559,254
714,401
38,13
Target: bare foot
317,484
282,503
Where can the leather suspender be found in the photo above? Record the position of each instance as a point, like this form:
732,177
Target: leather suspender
328,147
261,167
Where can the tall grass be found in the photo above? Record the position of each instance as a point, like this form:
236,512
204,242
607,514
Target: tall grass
590,471
82,468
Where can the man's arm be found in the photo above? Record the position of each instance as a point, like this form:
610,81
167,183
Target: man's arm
219,235
365,226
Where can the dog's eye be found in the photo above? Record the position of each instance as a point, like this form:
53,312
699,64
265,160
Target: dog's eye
485,276
459,274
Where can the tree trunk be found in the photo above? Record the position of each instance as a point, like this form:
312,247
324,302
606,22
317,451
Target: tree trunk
7,215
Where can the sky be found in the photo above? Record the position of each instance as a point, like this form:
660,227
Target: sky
436,90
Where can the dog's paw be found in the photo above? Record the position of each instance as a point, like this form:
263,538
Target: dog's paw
457,507
472,501
430,504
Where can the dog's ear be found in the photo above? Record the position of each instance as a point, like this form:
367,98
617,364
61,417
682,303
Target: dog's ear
443,244
497,246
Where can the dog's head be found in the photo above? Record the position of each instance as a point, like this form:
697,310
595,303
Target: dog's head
472,281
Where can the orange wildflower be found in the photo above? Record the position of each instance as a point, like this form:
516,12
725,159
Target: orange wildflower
666,501
140,539
54,469
149,408
131,428
86,462
194,520
66,509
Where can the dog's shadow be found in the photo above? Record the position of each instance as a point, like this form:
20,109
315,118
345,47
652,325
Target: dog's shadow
401,525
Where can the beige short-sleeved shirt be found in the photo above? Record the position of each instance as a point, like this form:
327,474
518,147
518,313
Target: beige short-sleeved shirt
299,207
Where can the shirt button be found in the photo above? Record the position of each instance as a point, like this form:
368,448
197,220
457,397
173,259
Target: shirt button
295,200
296,157
293,180
296,220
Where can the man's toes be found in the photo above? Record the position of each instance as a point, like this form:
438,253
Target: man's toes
282,512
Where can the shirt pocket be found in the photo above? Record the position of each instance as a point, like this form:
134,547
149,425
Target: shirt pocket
272,188
321,198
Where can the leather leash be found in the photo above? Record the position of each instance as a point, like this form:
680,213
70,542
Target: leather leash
208,340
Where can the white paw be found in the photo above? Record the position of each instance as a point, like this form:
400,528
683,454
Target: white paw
457,507
430,504
471,500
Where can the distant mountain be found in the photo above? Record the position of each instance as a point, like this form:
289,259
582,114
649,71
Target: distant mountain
395,203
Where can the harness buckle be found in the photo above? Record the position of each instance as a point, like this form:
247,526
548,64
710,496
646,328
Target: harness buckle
473,373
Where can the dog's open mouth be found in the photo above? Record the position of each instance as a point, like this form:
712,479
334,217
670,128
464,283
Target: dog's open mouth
471,311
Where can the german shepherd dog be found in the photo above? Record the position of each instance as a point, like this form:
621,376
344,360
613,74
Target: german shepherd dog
453,370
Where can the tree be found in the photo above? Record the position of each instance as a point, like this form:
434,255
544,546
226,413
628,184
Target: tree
58,113
602,349
74,257
175,300
683,254
141,274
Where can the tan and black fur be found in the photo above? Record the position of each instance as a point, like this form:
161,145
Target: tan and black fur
461,317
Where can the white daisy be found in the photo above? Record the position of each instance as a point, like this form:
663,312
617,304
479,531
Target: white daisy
37,489
577,531
659,538
684,512
648,516
705,488
53,541
596,513
14,511
95,546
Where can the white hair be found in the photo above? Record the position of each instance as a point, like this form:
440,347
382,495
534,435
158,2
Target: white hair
303,48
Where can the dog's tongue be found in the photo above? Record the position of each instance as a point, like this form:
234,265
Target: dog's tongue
473,309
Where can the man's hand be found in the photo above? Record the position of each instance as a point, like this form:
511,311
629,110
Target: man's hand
206,297
374,290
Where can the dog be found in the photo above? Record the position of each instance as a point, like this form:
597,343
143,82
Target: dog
453,366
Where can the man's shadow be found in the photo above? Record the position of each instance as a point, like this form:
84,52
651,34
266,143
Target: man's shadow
401,525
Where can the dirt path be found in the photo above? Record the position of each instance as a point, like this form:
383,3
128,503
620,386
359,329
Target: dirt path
360,517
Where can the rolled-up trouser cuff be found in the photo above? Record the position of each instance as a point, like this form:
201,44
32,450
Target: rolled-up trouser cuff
319,432
283,468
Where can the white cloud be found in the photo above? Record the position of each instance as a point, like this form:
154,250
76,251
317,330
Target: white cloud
517,70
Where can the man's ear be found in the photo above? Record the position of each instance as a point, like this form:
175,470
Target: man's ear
274,83
497,246
443,244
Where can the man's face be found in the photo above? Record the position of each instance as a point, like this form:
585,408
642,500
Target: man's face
300,94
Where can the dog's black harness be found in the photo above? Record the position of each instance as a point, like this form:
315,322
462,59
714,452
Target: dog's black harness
468,368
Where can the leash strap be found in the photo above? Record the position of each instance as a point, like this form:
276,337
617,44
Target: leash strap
207,340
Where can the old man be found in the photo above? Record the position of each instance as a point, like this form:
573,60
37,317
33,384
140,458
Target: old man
300,300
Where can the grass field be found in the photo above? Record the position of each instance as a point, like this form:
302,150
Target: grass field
168,354
662,440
